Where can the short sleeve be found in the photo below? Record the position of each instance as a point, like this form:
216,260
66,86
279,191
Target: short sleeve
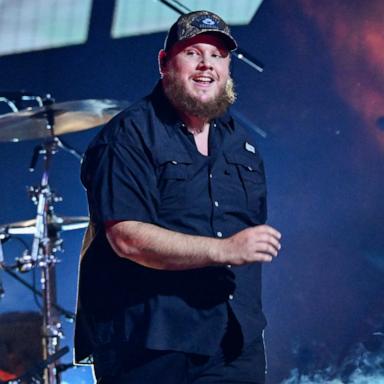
121,183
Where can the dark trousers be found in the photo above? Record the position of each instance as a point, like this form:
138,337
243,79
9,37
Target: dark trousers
234,363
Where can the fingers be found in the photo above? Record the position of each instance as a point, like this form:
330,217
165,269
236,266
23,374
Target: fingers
264,258
268,230
255,244
272,243
266,242
266,239
267,248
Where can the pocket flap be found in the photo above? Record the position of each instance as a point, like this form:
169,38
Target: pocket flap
173,157
250,165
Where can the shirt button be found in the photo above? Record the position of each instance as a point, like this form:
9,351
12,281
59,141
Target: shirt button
219,234
250,169
216,203
174,162
229,266
210,175
230,297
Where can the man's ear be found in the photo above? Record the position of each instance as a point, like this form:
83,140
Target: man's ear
162,60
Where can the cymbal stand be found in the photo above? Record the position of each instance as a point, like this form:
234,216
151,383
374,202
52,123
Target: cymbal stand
14,100
43,251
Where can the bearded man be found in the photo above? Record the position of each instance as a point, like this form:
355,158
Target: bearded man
170,278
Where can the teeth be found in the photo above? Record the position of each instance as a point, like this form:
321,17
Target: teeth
203,79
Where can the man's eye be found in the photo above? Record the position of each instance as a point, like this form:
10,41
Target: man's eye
216,55
191,53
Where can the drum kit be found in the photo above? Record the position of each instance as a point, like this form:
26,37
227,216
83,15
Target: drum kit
46,122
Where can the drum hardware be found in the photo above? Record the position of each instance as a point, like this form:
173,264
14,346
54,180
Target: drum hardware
47,122
42,255
55,223
20,346
46,242
68,117
33,376
69,316
15,100
56,143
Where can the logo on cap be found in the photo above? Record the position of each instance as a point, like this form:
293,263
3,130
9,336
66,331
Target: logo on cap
205,22
208,21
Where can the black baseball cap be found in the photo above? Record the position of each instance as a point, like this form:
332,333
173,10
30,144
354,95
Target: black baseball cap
195,23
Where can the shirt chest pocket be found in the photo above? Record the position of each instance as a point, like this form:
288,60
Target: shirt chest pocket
249,170
173,174
249,167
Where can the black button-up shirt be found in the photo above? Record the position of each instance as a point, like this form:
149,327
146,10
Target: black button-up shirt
144,166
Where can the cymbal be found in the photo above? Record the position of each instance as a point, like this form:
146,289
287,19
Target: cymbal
55,223
69,116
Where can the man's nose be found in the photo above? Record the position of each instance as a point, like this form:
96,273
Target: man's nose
206,61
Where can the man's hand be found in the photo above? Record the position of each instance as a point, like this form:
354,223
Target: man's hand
255,244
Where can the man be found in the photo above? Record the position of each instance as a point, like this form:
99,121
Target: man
170,277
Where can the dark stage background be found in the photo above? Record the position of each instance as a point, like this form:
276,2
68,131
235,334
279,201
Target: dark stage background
321,102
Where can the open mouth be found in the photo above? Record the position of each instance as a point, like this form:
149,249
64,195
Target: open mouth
203,80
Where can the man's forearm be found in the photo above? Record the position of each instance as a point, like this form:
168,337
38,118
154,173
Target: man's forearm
159,248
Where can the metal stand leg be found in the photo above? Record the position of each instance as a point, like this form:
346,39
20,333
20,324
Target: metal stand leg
51,327
42,255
